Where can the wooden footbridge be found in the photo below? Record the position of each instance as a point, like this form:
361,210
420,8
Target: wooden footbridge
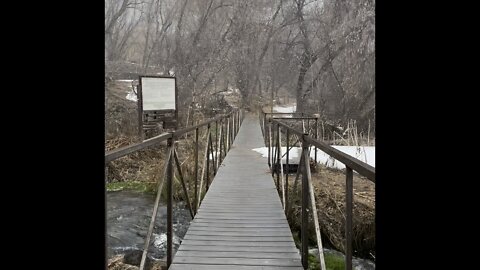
241,222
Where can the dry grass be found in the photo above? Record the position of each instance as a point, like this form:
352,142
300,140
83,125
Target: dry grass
117,263
329,188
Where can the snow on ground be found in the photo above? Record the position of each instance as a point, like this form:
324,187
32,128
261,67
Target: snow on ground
132,96
363,153
285,109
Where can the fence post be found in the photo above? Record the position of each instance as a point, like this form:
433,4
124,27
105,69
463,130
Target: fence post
155,207
316,137
269,143
170,144
304,229
195,199
349,214
286,174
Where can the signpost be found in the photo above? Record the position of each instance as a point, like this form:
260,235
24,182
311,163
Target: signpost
157,102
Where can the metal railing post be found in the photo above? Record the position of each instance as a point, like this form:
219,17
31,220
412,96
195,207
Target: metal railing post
287,172
316,137
305,193
269,143
195,199
170,144
349,220
182,181
216,144
207,179
155,207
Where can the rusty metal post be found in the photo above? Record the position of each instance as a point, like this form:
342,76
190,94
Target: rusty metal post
287,172
220,143
232,135
182,180
274,152
279,159
224,139
269,143
227,135
140,111
213,156
305,193
316,137
238,122
264,130
207,178
170,144
195,199
281,165
216,144
155,209
349,220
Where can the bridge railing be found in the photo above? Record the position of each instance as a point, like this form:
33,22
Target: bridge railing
216,148
273,132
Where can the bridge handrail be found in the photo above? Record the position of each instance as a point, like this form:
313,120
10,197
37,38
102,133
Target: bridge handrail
229,127
123,151
273,140
361,167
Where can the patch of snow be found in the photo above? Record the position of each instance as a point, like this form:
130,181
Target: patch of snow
212,155
132,96
160,240
285,109
363,153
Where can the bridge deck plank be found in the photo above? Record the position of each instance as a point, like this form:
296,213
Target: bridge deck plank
240,223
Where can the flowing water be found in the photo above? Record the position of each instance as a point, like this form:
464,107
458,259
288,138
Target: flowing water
128,219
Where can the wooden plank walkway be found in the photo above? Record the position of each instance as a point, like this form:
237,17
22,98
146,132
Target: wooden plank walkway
240,223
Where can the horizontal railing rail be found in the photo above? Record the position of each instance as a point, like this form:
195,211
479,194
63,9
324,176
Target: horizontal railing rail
272,128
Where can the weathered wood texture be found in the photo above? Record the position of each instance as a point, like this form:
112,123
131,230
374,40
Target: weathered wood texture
240,223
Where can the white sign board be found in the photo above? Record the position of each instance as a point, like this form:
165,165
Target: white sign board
158,93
